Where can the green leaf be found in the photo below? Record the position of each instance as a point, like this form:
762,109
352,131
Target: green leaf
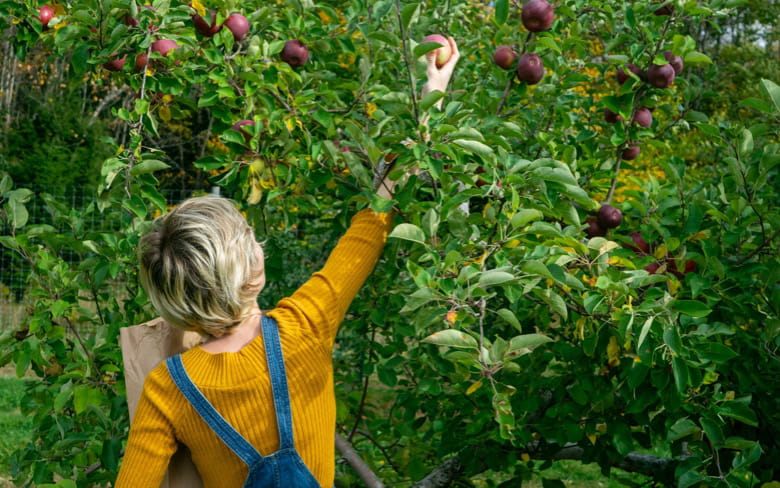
746,143
536,267
451,338
494,277
695,57
522,344
558,175
502,11
409,232
430,99
681,374
510,317
475,146
408,13
136,205
747,457
691,307
424,48
773,90
758,104
148,166
715,352
738,411
525,216
681,429
713,431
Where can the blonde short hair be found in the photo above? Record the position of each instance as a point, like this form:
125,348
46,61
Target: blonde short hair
201,266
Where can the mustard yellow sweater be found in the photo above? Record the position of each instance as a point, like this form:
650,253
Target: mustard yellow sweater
238,386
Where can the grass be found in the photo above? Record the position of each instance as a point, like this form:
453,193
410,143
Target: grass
14,426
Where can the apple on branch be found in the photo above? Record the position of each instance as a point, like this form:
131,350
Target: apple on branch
205,28
537,15
504,57
530,68
295,53
238,25
45,14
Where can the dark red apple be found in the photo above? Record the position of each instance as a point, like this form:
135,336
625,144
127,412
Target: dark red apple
45,14
115,63
640,245
443,53
643,117
238,25
665,10
609,216
611,116
652,268
504,57
537,15
164,46
140,62
630,153
622,76
690,266
295,53
205,28
676,62
530,68
661,76
594,229
241,123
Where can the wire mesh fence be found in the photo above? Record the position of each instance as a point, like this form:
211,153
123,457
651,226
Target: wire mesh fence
14,270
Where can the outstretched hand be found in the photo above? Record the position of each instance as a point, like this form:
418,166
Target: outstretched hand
439,78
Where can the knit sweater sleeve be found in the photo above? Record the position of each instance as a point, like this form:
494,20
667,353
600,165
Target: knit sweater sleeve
152,440
320,304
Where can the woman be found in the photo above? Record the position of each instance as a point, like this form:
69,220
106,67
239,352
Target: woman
255,402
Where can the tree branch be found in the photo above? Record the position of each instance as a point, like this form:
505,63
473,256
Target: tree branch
361,468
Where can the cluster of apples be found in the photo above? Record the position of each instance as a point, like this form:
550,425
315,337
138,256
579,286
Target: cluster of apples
677,267
537,16
295,53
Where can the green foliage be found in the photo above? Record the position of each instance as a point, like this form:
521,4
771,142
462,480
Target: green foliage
492,334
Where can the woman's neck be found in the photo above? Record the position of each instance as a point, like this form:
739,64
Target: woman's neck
240,336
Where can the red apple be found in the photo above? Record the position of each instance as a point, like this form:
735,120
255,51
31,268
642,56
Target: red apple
537,15
611,116
504,57
45,14
643,117
530,68
241,123
164,46
140,62
115,63
661,76
609,216
640,245
630,153
203,27
444,53
622,76
665,10
295,53
676,62
238,25
652,268
594,229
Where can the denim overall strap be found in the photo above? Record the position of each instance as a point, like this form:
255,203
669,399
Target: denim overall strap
273,355
235,441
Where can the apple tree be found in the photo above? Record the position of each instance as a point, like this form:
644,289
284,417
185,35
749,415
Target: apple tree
585,268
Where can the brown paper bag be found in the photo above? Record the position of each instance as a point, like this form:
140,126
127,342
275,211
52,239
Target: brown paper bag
144,346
